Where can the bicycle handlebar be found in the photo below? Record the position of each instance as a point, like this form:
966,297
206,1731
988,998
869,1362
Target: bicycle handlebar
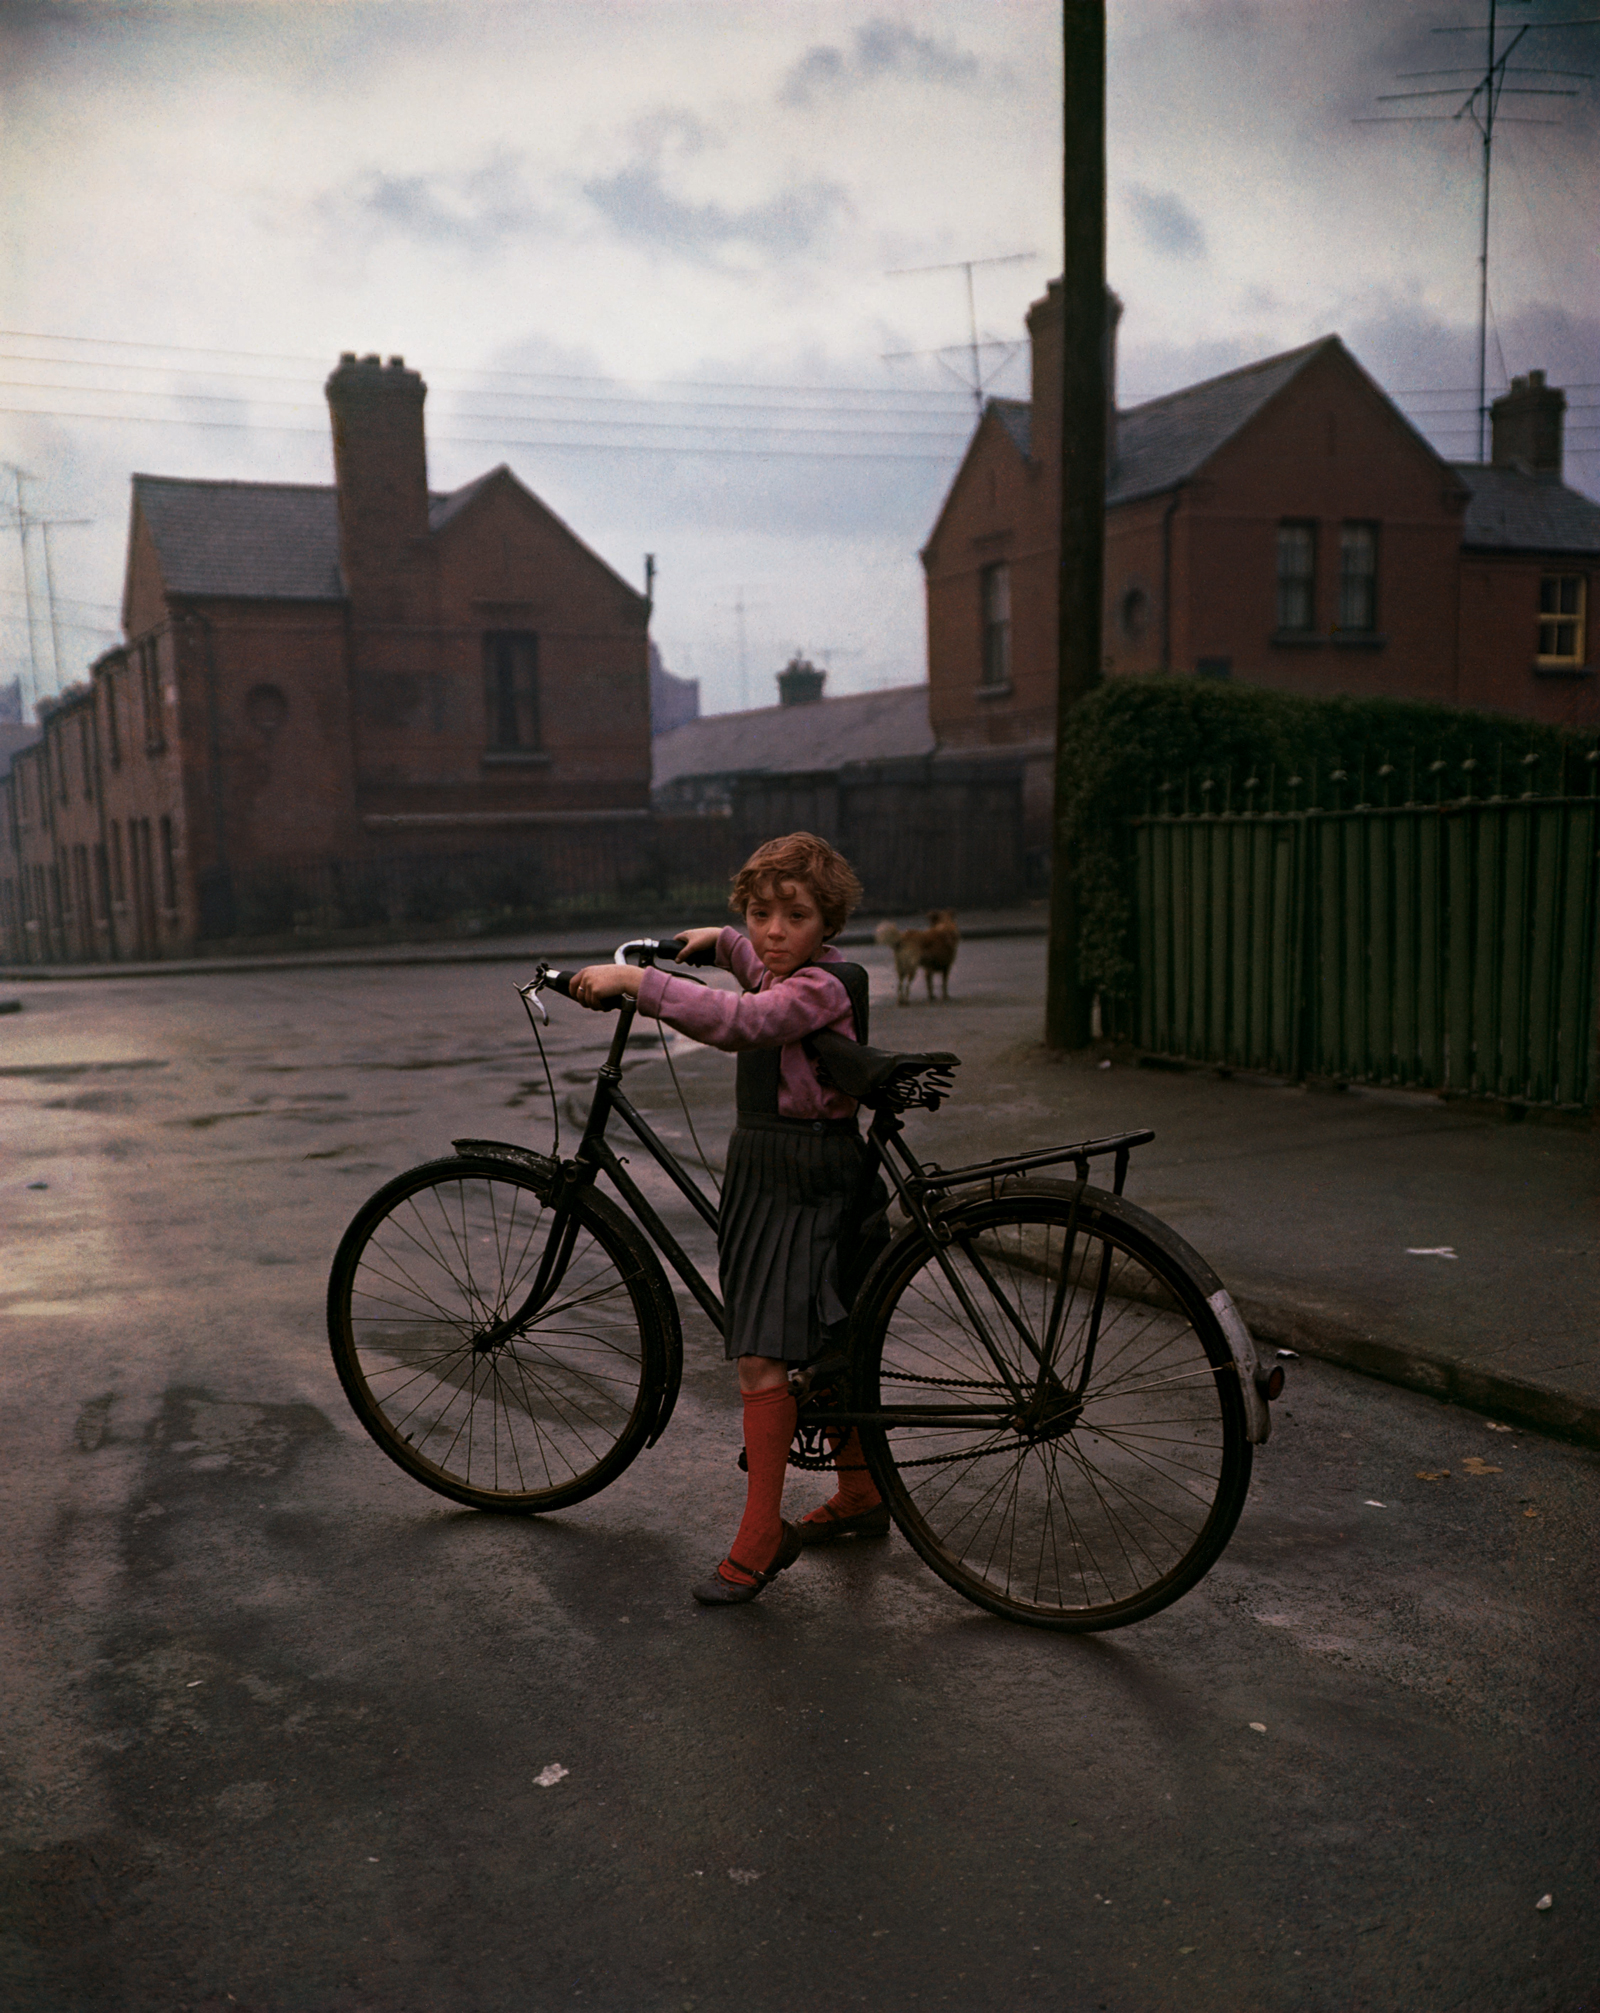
561,982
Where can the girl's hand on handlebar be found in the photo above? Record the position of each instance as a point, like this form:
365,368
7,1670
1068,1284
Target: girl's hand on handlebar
596,985
698,947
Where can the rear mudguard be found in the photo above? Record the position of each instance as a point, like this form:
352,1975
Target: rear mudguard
547,1172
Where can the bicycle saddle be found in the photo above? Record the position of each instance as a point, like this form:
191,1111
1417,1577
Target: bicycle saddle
879,1078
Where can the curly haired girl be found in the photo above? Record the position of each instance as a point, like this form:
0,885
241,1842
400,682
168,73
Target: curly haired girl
800,1200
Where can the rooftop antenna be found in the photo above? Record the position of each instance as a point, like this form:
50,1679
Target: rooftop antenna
972,345
1484,88
23,521
741,608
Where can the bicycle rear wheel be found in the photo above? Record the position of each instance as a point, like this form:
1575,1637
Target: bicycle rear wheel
1087,1469
534,1420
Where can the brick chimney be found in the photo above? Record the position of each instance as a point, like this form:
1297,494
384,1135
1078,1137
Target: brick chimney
1527,422
1044,334
380,466
800,683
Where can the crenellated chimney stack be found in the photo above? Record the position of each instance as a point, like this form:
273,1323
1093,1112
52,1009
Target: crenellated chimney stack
800,683
1527,422
380,462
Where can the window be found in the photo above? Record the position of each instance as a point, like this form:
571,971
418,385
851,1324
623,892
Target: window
119,886
1297,578
150,693
169,874
1561,613
1358,578
85,760
995,585
113,724
511,682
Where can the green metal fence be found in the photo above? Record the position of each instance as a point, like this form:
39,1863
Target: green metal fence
1449,946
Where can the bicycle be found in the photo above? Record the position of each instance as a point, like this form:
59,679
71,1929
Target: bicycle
1054,1393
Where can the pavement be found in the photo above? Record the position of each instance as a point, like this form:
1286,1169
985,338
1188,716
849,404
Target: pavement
1431,1243
282,1730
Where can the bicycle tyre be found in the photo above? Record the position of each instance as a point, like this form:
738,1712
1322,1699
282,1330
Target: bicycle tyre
540,1420
1075,1521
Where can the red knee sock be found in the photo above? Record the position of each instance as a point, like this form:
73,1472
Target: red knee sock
856,1491
768,1429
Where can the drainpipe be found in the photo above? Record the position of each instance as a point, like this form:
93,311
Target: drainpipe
101,881
215,895
1166,577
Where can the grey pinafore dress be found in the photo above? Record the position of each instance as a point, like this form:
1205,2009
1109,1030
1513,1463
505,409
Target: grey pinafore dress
802,1206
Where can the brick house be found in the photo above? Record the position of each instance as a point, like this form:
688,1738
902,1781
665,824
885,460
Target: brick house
323,673
1282,524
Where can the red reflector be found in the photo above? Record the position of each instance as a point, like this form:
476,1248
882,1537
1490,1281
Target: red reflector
1273,1382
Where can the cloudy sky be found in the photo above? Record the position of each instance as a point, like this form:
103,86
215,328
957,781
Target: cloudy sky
653,254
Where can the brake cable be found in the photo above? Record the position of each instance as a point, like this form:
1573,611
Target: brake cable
527,994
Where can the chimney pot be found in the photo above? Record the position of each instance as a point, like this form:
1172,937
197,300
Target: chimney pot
346,356
373,360
397,363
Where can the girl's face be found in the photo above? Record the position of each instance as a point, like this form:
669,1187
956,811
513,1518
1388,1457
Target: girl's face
785,926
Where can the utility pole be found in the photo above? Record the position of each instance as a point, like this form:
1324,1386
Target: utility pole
1081,566
1484,89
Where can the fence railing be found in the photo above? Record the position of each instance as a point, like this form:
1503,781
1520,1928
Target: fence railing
1449,945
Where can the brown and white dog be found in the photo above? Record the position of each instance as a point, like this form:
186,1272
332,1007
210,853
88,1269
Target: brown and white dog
929,951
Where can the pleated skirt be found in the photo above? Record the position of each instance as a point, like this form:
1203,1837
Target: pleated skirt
785,1197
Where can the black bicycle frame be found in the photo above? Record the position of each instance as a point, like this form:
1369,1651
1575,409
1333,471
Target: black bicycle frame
915,1185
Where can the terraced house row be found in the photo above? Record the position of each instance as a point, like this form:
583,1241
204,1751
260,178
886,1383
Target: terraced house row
314,674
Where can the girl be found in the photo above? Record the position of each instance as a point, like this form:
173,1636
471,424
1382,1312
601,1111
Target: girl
799,1188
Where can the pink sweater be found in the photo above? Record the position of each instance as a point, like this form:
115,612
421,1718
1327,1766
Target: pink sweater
768,1013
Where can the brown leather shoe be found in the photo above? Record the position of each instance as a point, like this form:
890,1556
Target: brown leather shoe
827,1527
717,1592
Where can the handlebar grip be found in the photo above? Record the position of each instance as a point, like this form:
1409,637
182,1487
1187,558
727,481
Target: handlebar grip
705,956
561,982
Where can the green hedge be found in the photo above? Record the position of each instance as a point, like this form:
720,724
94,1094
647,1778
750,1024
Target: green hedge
1134,734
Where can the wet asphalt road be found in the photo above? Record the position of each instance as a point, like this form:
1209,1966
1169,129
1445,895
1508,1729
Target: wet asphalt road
274,1717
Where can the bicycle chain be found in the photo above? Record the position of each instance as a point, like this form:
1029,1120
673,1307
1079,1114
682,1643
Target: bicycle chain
808,1452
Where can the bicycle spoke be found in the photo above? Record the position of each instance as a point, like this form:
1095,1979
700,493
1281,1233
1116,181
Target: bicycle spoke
547,1412
1066,1513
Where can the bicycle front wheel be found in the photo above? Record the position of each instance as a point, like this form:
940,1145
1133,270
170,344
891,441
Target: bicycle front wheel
430,1271
1062,1433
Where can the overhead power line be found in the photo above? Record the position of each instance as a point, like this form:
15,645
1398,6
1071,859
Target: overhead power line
657,426
496,440
545,377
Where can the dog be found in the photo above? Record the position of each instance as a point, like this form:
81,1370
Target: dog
928,951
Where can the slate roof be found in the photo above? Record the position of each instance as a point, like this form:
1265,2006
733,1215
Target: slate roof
261,541
1164,442
1167,440
1508,511
785,740
276,541
1016,416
